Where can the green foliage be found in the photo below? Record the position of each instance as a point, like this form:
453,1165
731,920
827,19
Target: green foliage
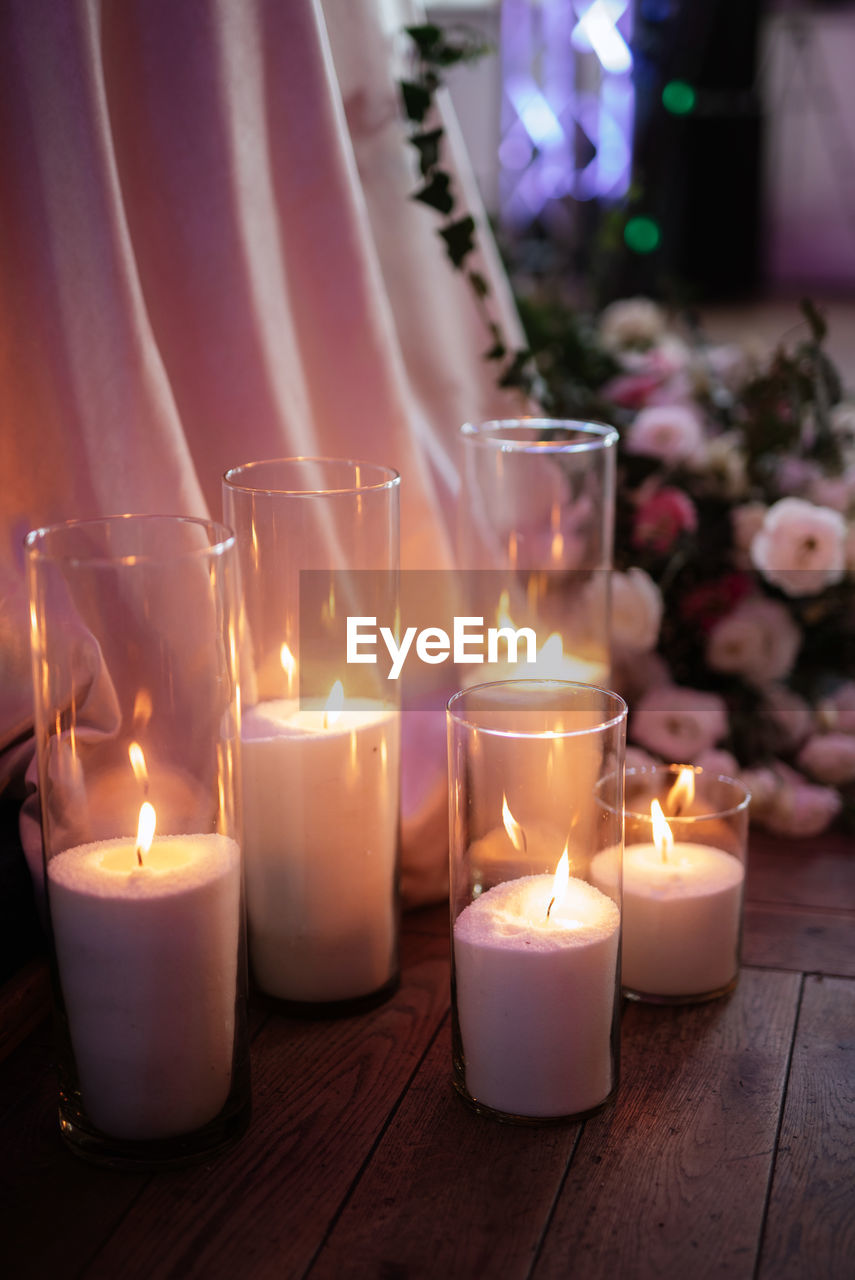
434,50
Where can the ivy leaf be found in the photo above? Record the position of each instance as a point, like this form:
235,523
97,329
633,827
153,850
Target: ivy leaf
427,145
416,100
498,351
479,285
459,239
515,375
437,194
818,327
425,37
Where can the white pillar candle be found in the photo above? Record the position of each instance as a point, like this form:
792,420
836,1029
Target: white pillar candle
321,816
535,996
681,917
147,959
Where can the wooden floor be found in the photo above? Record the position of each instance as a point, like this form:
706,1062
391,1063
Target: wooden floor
730,1150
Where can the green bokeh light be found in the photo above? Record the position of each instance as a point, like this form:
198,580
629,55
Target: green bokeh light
642,235
678,97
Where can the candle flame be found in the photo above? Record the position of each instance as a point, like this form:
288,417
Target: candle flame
503,617
682,793
138,763
145,830
513,828
335,703
662,837
142,707
289,664
562,879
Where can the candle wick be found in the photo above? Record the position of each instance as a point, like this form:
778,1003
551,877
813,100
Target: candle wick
525,844
551,905
139,855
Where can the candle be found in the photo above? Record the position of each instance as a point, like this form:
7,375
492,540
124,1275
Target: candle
321,812
535,970
147,947
682,904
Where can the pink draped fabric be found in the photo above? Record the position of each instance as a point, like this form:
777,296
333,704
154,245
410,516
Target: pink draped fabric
208,254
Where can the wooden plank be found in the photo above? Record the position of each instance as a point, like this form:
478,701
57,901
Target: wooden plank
809,873
448,1192
322,1094
808,941
673,1182
810,1228
24,1003
54,1209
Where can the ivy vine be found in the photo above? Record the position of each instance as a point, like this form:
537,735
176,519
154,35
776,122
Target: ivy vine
434,50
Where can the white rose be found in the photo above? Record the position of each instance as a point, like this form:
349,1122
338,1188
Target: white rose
829,758
800,548
636,611
757,640
799,808
679,723
670,432
763,784
631,322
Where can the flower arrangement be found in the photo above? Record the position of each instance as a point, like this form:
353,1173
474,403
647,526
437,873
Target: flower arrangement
733,604
734,591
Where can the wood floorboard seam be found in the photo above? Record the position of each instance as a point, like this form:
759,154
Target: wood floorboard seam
770,1178
550,1214
369,1156
102,1244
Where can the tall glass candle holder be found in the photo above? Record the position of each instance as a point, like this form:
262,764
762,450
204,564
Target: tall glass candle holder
318,540
537,508
535,944
133,627
683,882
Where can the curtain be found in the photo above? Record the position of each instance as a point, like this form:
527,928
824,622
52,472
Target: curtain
209,254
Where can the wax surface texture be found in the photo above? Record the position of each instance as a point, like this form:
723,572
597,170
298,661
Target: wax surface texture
535,996
147,960
321,815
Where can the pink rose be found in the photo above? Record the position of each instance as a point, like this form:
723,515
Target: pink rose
758,640
636,758
714,760
670,432
799,547
790,715
679,723
799,808
662,517
829,758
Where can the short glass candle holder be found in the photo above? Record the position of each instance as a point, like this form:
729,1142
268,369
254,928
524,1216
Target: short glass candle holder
318,541
133,630
535,942
537,509
686,838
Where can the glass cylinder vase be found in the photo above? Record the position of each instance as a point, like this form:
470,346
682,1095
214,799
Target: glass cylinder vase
535,944
686,834
133,630
318,541
536,520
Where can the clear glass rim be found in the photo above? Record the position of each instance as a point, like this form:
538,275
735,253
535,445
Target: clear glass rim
238,478
651,770
454,710
488,435
220,538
